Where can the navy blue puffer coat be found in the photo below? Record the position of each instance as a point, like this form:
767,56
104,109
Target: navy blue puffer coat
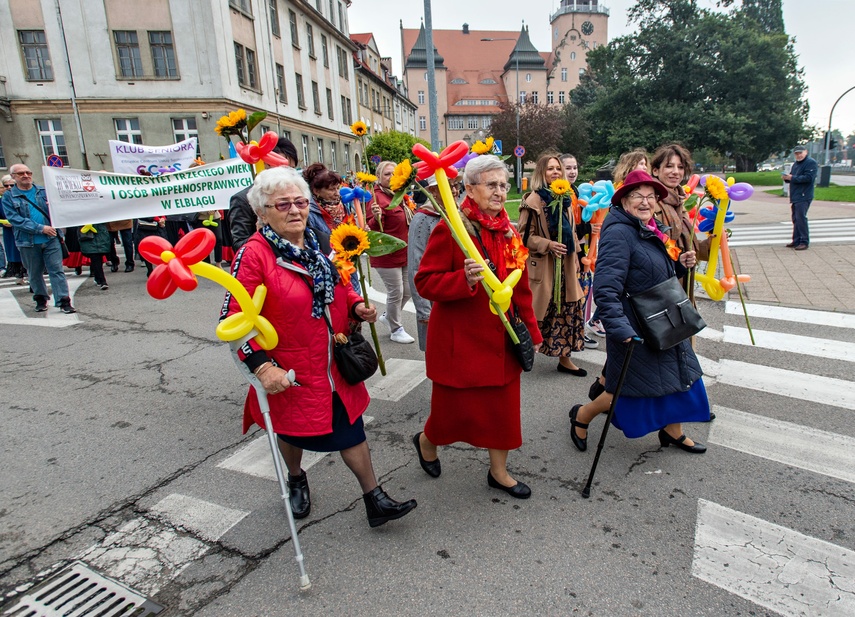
632,259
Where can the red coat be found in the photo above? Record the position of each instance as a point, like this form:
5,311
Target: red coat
305,344
395,224
467,345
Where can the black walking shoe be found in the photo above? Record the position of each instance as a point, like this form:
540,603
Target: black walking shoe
129,268
41,303
666,440
65,306
381,508
596,389
298,489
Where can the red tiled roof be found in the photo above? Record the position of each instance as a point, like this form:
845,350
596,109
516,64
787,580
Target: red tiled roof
363,38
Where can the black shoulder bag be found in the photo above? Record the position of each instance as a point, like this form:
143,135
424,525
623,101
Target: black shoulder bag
665,314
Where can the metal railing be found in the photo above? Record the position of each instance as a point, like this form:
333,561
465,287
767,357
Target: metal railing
579,7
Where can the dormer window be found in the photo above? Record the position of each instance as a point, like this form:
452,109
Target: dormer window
459,81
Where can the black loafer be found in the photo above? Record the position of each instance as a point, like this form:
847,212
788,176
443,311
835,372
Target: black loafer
596,389
520,490
578,372
432,468
581,443
666,440
298,489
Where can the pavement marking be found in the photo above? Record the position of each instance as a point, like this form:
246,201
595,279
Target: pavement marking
380,296
783,313
822,230
781,341
254,459
785,442
792,384
207,520
773,566
401,377
12,313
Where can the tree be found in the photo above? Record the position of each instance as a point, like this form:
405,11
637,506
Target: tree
575,138
767,13
703,78
393,146
541,128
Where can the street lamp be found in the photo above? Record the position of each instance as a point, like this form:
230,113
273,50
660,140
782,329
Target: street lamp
517,62
828,134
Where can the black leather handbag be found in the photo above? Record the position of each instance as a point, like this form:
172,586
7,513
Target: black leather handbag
354,357
524,350
665,315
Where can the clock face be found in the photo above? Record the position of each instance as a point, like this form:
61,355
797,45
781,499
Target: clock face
587,28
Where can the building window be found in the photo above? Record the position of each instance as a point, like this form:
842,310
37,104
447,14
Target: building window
320,151
316,98
185,128
325,53
387,107
421,97
251,72
332,12
329,104
246,66
486,122
240,64
301,99
36,55
242,5
455,123
346,155
522,98
535,98
295,35
472,122
561,97
564,74
306,149
2,156
53,141
162,54
128,130
528,77
274,17
422,123
310,40
550,97
572,55
333,157
280,83
128,50
341,23
342,63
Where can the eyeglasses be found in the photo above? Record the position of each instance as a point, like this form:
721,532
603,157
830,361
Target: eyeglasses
8,186
639,198
22,173
502,187
284,206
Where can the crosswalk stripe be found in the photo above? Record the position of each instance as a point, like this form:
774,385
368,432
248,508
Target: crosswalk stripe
207,520
12,313
781,341
401,377
773,566
785,442
783,313
771,242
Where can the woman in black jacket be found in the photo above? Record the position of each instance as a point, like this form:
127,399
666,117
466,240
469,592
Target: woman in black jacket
663,389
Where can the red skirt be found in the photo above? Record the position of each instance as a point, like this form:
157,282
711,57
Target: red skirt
481,417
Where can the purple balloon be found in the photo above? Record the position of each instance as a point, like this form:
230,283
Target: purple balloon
740,191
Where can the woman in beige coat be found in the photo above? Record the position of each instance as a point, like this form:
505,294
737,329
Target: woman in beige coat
563,327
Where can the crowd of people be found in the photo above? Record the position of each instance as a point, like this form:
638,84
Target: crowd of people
277,233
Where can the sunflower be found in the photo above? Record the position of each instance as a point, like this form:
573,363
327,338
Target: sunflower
365,177
401,176
483,147
559,187
228,124
348,241
359,128
715,187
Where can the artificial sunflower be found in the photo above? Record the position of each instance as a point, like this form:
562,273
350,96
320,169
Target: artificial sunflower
349,241
559,187
359,128
715,187
365,177
483,147
402,176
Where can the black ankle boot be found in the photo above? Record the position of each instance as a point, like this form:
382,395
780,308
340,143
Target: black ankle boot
298,492
381,508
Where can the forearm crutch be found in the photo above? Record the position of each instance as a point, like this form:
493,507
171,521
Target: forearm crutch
586,492
261,395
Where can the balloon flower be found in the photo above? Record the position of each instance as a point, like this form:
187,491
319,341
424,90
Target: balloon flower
442,167
598,199
177,268
259,152
88,229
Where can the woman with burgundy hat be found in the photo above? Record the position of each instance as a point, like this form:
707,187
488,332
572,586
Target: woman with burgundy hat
662,389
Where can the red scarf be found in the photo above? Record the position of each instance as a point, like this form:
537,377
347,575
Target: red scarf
498,237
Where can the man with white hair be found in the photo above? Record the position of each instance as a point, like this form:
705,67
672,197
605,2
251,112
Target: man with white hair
26,208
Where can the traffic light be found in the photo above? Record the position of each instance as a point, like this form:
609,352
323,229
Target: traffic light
829,139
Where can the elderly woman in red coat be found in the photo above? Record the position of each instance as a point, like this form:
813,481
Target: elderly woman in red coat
319,411
475,374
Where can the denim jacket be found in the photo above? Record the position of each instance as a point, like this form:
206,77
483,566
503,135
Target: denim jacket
17,209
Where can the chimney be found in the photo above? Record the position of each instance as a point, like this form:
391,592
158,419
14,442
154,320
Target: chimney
465,28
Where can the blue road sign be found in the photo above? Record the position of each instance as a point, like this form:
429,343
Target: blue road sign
497,147
54,161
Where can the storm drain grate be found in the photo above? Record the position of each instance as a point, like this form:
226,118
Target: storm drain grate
77,592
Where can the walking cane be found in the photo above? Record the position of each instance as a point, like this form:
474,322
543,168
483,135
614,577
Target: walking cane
586,492
274,450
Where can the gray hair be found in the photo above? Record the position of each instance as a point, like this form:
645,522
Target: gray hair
481,164
271,181
383,165
5,179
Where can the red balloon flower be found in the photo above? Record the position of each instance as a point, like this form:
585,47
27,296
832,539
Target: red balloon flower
252,153
430,163
173,270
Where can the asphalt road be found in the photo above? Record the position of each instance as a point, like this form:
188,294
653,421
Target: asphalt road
122,447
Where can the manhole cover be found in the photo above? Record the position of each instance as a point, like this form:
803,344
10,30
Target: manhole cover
78,591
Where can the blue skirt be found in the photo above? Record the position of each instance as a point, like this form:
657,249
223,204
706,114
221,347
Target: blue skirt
344,434
637,417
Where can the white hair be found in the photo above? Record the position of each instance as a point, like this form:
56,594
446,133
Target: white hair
481,164
271,181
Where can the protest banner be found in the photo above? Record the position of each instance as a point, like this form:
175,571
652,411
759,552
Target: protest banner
79,197
133,158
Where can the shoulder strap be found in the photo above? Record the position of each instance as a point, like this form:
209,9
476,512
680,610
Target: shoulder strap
34,205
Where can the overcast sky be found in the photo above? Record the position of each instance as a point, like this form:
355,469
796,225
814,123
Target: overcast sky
822,29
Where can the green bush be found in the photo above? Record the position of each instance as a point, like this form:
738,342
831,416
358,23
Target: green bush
393,146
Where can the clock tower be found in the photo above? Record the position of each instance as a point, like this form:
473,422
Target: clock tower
576,27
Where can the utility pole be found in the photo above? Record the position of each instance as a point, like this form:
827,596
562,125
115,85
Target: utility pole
431,73
71,82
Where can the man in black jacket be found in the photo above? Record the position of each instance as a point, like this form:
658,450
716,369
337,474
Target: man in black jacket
801,179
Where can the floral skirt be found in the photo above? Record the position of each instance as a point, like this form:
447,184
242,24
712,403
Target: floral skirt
563,332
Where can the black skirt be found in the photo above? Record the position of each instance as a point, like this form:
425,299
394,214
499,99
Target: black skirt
344,434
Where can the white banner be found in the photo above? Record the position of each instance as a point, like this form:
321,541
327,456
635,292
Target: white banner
78,197
131,158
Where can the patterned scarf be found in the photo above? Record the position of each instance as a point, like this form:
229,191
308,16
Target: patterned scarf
552,215
323,273
332,210
502,242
